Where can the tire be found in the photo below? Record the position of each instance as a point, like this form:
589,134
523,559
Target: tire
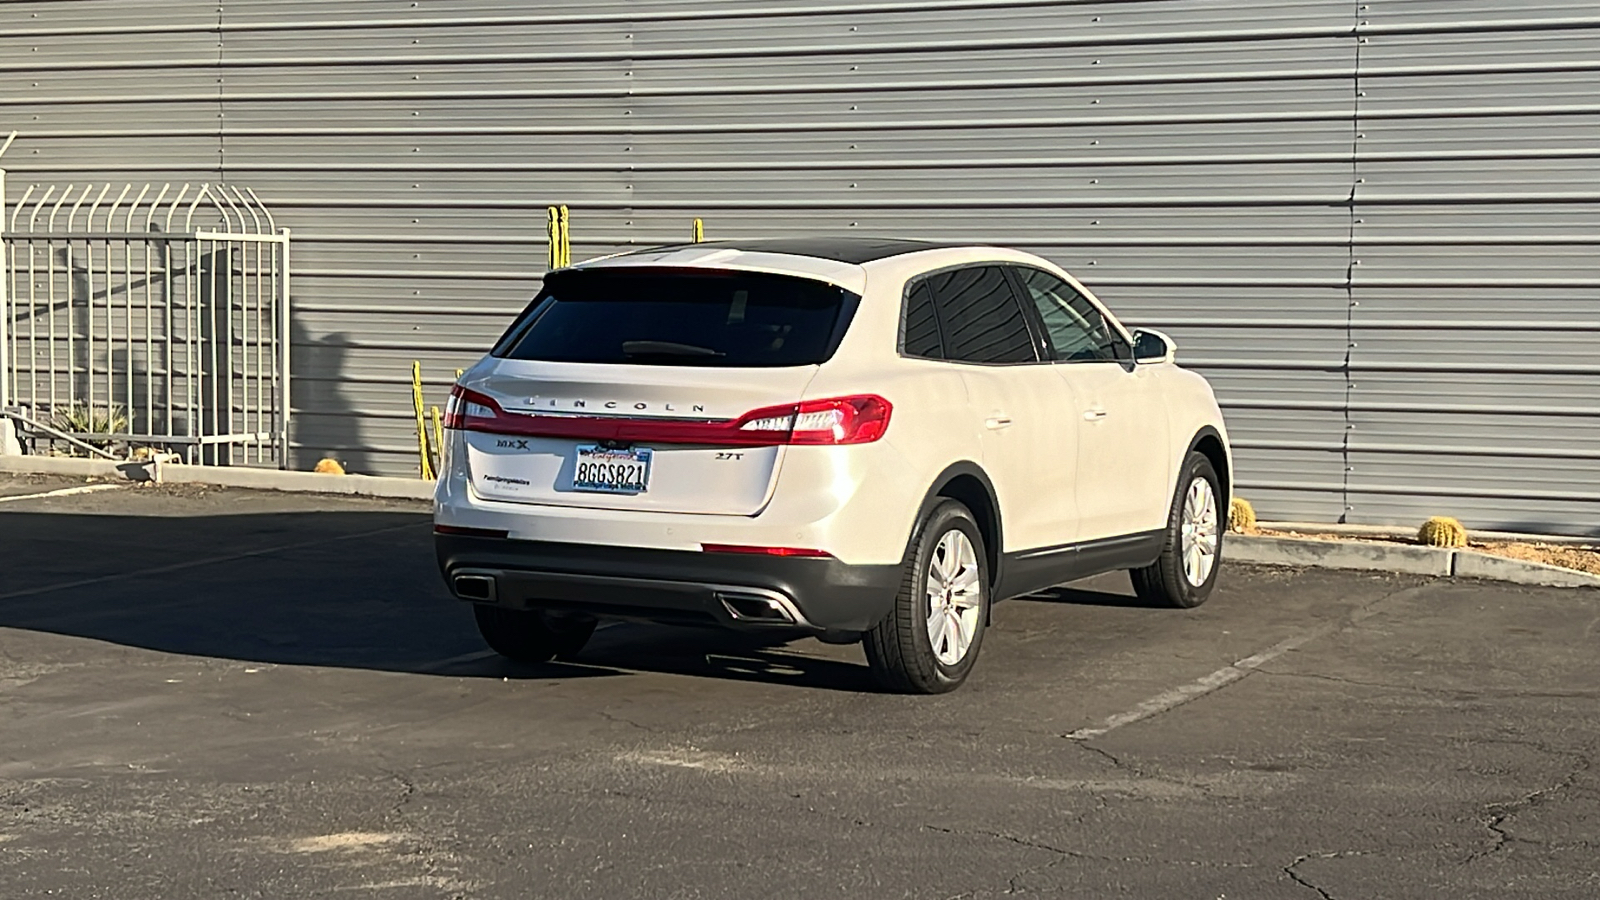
532,636
1184,574
901,649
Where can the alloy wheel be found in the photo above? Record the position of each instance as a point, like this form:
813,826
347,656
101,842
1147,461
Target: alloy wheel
955,597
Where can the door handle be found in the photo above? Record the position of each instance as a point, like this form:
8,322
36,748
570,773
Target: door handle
1095,415
995,423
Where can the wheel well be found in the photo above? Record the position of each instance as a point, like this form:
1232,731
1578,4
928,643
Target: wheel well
1211,446
972,494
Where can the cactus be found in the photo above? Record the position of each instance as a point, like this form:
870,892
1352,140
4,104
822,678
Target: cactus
1442,531
1241,516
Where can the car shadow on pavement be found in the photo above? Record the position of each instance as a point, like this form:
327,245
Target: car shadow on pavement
346,589
1086,596
623,647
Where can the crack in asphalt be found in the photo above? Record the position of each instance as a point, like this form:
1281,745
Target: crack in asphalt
1116,761
621,720
1063,854
408,789
1297,878
1503,812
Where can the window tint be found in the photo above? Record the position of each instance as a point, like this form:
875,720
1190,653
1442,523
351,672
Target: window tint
680,318
1077,330
921,328
980,318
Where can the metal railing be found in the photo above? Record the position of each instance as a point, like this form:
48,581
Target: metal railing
147,316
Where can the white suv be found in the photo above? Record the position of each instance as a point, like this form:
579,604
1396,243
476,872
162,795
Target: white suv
859,439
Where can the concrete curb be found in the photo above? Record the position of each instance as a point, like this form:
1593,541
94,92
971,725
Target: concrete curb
1411,560
222,476
1472,564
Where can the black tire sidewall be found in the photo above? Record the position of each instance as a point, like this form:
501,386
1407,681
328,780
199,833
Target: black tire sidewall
1186,594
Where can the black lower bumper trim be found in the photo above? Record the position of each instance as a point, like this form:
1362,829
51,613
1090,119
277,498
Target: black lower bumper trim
822,594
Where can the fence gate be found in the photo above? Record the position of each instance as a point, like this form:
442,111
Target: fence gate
146,316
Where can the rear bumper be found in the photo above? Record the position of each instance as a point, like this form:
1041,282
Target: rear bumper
689,587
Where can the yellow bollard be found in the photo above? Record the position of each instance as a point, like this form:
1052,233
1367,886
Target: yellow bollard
422,429
699,233
553,236
438,440
566,239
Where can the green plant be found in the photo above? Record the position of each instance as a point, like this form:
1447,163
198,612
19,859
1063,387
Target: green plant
81,420
1442,531
1241,516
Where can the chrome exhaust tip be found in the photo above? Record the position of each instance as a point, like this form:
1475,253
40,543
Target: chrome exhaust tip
477,588
755,608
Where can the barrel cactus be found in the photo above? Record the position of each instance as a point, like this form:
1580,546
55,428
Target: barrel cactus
1241,516
1442,531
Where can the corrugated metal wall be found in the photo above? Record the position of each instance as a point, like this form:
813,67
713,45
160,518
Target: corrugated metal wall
1372,224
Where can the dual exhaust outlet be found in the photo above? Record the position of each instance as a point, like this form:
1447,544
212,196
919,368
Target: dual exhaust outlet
747,606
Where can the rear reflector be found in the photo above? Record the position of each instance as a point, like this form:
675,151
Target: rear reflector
858,419
470,532
766,551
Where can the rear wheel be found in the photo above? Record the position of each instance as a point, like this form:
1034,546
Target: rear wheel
928,643
1186,571
532,636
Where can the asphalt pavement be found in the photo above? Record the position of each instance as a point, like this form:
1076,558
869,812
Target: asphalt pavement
224,694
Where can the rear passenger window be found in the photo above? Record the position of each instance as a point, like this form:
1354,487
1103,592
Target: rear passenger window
921,336
979,317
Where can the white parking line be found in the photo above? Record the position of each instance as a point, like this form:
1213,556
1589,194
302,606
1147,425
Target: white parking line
1224,676
64,492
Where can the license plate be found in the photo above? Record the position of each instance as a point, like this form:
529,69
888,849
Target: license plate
607,471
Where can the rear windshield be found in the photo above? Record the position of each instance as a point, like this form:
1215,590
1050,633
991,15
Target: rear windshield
680,318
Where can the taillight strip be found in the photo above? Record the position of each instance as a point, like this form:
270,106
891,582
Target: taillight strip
863,419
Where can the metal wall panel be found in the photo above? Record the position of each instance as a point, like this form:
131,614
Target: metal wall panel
1334,206
1476,383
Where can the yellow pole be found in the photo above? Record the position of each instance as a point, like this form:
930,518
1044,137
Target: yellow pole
553,234
422,428
438,437
699,231
566,239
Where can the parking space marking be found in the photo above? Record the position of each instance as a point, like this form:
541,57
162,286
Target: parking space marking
64,492
1178,696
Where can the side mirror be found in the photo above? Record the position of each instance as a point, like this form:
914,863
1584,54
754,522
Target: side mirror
1153,347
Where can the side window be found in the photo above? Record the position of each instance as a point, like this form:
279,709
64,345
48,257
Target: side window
920,330
1077,331
980,317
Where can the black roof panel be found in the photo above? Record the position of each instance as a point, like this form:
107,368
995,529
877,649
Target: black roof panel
854,250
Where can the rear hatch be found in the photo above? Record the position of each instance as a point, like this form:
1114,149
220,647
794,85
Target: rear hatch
646,369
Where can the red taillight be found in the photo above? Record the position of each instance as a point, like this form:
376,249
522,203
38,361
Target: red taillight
842,420
765,551
859,419
470,410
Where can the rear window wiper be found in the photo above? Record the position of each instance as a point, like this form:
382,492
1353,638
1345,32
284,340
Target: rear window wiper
666,348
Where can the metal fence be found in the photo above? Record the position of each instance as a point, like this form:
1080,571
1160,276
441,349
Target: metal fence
146,316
